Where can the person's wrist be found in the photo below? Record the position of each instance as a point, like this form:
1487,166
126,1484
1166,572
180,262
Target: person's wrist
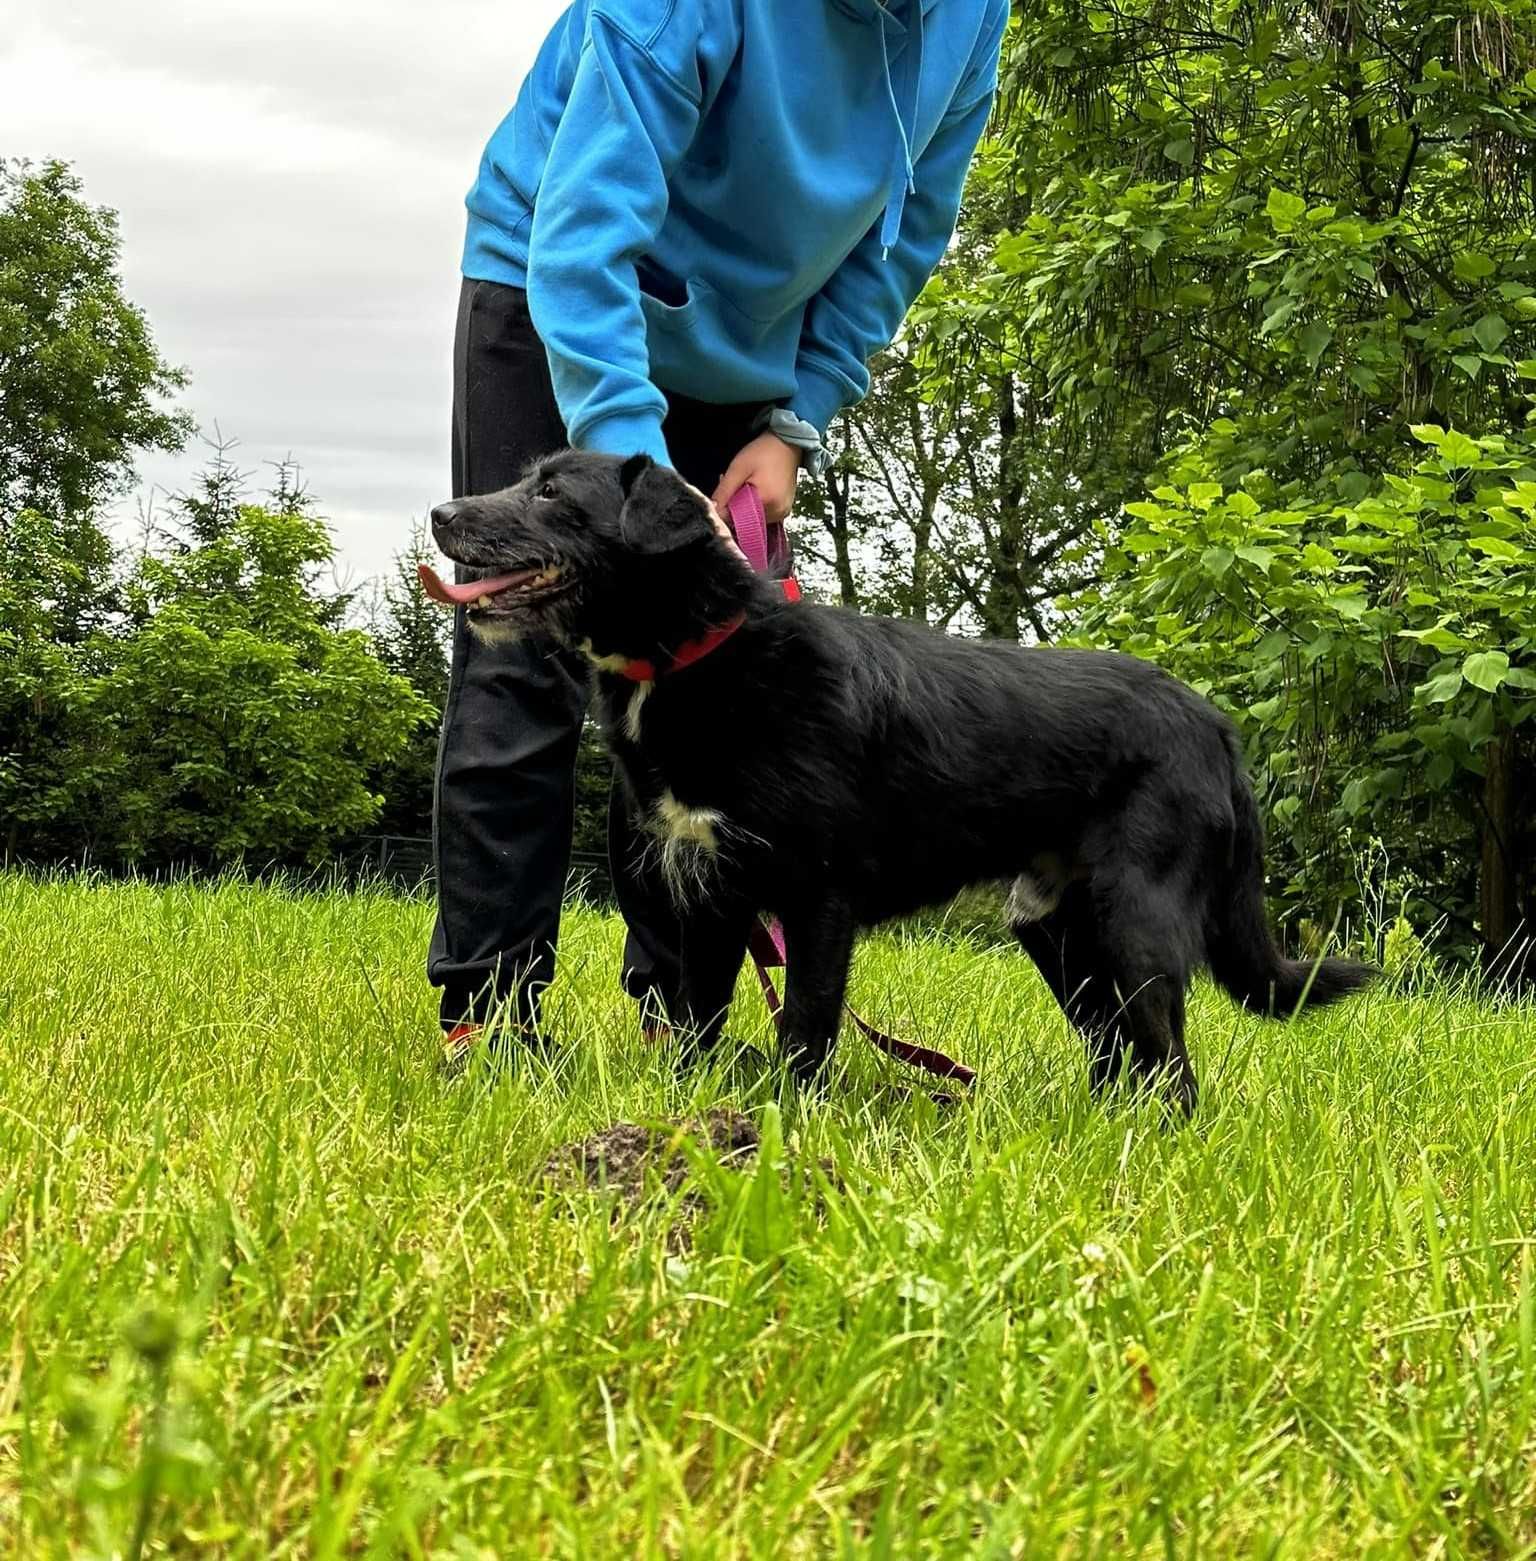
801,436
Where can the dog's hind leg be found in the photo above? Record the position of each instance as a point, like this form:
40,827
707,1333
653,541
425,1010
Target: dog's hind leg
1065,948
1145,926
818,945
714,943
1125,1000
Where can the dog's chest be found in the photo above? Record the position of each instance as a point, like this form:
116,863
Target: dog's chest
684,838
687,846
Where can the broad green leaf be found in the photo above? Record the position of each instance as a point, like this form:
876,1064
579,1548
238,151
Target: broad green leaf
1204,494
1486,670
1497,547
1441,690
1439,771
1314,341
1491,331
1284,210
1278,316
1427,433
1457,450
1468,365
1216,561
1438,638
1260,557
1363,544
1471,266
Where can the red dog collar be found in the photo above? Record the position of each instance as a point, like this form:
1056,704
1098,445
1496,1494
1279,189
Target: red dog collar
641,671
684,655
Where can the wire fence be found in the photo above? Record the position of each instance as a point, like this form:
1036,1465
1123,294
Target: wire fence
406,862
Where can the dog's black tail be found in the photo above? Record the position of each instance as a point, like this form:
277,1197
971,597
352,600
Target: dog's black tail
1239,944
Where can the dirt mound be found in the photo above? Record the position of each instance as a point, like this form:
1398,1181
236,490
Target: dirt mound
620,1156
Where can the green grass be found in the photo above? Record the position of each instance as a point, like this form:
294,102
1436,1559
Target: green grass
268,1284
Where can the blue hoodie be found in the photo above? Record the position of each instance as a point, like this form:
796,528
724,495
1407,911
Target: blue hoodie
735,200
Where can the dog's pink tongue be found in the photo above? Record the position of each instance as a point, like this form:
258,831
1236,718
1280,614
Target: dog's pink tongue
472,590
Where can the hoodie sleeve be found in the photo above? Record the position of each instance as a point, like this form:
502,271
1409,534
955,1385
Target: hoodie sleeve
630,118
859,311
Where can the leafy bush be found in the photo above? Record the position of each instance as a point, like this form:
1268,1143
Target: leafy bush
222,715
1376,647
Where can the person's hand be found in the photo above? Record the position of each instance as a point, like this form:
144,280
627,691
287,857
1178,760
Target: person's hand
772,467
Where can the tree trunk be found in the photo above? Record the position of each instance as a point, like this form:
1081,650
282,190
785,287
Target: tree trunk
839,498
1004,597
1498,881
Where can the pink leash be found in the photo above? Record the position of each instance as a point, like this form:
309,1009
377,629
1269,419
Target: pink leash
767,550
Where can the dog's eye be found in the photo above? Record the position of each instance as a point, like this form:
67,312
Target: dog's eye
548,491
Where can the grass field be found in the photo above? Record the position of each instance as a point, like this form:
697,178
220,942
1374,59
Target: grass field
269,1284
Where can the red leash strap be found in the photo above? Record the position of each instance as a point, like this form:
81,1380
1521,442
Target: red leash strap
766,944
939,1064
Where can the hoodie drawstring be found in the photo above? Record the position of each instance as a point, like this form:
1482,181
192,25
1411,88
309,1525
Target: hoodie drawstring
903,175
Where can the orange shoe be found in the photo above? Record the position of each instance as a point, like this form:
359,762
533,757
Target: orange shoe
459,1046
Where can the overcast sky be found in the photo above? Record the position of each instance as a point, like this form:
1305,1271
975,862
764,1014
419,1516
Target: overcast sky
290,178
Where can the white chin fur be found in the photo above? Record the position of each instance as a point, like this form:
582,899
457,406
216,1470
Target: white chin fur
494,631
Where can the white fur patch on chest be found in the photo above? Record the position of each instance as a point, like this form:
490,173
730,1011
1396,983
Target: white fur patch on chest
695,826
688,841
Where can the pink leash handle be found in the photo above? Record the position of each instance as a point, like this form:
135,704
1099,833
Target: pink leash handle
766,547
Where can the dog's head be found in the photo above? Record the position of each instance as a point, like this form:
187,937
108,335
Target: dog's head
566,551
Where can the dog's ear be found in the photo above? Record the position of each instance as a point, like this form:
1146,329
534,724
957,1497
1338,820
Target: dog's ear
661,512
633,470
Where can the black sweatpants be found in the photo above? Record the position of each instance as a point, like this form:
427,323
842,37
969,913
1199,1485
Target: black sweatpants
506,760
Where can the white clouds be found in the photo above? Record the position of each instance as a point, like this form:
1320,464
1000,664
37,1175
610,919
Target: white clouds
290,179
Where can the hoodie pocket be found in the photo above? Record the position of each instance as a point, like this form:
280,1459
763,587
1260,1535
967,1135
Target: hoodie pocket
670,303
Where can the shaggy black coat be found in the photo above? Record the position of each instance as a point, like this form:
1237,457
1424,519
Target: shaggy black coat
840,770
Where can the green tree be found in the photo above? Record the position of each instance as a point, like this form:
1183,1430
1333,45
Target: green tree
82,384
410,636
250,726
55,591
1311,219
1378,655
934,512
410,632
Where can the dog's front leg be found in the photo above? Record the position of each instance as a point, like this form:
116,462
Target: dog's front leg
714,943
818,947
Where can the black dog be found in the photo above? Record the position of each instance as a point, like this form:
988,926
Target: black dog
841,770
